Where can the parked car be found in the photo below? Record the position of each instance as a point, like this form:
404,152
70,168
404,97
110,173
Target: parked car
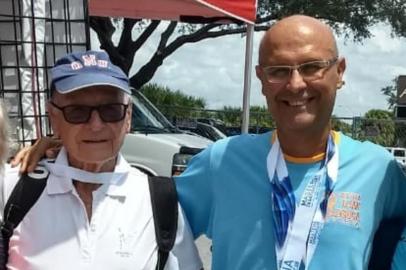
154,145
236,130
399,153
217,123
205,130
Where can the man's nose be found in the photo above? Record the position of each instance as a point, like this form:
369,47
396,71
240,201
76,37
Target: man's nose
95,121
296,82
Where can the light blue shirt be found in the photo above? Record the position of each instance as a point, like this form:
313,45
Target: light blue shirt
226,194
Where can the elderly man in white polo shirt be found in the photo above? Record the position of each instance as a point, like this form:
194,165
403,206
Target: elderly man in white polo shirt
95,211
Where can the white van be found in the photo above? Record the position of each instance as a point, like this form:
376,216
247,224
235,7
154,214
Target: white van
154,145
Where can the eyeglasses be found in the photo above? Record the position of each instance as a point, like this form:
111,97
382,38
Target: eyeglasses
79,114
309,71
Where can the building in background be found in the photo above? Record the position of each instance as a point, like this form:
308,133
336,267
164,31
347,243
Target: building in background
401,97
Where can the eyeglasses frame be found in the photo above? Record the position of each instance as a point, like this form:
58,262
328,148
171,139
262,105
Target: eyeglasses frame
328,64
92,108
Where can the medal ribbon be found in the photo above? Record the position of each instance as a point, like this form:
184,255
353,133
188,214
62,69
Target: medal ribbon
294,227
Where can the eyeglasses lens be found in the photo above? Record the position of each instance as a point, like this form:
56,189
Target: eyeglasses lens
78,114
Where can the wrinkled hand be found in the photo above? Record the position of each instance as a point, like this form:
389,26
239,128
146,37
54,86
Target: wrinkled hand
29,156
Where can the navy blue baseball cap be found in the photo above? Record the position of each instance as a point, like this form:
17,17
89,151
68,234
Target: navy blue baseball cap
79,70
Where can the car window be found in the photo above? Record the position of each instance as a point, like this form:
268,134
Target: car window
399,152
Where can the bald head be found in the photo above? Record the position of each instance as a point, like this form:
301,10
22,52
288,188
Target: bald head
297,31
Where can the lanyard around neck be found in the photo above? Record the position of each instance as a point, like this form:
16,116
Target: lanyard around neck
293,227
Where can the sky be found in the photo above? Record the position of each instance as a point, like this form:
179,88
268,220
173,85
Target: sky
214,70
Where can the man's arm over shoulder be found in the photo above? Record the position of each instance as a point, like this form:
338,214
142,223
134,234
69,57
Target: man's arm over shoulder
195,192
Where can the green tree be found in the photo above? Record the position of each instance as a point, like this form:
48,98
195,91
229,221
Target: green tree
260,117
346,17
378,126
230,115
390,92
173,104
339,125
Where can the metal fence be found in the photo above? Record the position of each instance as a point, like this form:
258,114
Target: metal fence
33,34
386,132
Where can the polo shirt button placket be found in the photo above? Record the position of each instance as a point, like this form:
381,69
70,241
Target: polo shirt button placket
92,228
86,255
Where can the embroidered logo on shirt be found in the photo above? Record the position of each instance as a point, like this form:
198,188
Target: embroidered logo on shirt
344,207
125,242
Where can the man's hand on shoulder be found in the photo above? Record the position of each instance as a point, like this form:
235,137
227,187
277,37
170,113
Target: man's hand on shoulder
29,156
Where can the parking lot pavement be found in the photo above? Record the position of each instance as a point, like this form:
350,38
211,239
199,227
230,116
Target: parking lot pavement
203,245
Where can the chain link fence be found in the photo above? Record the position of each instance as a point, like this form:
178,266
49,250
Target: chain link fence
389,132
33,34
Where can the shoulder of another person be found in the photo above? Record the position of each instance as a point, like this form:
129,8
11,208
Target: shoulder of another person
366,148
236,142
136,173
11,177
378,151
136,179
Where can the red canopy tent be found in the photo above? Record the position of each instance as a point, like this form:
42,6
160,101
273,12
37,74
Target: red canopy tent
190,11
243,10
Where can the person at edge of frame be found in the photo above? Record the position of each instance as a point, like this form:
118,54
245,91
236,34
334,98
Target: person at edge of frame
95,211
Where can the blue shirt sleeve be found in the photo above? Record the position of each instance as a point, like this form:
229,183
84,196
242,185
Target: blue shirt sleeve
195,192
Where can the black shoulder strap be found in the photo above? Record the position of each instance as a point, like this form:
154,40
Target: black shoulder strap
24,195
164,201
385,241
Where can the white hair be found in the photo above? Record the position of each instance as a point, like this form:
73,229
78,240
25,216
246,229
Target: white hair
4,136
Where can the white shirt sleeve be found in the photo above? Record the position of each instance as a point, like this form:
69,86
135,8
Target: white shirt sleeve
184,254
8,179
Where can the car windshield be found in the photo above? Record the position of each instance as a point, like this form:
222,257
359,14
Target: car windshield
147,118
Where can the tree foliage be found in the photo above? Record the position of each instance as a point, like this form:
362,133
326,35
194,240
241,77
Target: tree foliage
231,115
162,95
173,104
177,105
378,126
339,125
260,117
348,18
390,92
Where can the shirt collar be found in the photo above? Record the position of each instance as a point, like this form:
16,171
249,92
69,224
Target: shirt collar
312,159
59,184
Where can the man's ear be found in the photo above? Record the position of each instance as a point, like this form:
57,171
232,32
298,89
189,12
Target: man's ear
341,66
129,117
260,75
258,72
52,118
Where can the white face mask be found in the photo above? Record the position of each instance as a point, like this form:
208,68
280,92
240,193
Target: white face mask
68,172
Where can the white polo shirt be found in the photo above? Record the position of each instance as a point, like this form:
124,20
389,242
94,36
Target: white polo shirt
56,232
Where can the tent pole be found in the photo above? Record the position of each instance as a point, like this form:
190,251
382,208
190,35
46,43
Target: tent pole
247,78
